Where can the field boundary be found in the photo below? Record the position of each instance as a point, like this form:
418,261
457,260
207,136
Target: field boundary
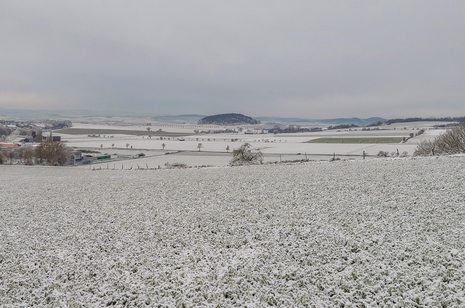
370,140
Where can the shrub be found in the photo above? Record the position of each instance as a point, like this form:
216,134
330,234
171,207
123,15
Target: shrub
244,156
382,154
175,165
5,130
451,142
24,131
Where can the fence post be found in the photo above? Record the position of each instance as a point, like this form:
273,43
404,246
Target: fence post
363,154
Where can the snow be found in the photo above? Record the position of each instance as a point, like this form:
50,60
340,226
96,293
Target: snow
378,232
274,147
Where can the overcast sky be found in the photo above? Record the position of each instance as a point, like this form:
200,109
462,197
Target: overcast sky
312,59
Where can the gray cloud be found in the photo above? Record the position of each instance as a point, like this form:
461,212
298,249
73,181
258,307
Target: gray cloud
287,58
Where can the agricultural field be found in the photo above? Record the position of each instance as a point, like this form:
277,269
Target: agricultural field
375,232
181,142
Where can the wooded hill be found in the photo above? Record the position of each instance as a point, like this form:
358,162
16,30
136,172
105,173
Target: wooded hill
228,119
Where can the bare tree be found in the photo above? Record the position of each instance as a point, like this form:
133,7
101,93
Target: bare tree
227,149
53,152
6,157
25,154
163,146
199,146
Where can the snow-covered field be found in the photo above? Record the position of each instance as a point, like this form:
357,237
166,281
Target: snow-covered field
365,233
274,147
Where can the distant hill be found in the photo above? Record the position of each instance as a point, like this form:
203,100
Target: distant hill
182,118
336,121
228,119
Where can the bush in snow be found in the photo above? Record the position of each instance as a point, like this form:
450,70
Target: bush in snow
5,130
175,165
382,154
451,142
244,156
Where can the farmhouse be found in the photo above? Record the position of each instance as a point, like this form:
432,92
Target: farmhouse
54,138
77,155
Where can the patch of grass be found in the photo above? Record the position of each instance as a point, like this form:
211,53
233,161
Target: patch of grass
358,140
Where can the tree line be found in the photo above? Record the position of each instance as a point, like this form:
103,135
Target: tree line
445,119
49,152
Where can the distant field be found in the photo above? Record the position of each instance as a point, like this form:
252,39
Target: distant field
103,131
358,140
